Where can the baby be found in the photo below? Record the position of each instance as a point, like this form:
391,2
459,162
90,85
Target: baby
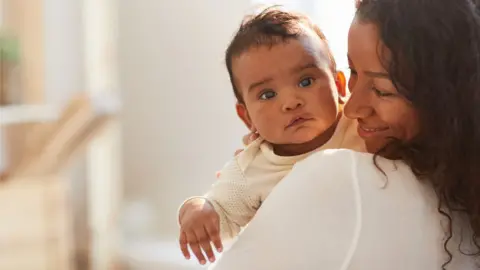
289,92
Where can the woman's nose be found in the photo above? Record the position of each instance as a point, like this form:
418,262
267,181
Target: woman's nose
358,105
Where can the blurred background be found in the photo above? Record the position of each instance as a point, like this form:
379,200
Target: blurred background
112,112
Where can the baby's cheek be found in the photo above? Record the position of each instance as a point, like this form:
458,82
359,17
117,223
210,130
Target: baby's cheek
268,125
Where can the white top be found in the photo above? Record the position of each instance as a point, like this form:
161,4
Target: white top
246,181
337,211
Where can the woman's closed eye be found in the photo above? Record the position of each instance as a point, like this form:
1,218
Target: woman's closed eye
381,93
306,82
267,94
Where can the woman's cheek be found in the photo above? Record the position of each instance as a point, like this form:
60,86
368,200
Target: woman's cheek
404,119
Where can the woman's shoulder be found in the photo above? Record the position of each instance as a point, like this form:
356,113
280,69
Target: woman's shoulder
328,157
379,183
358,165
393,209
348,155
357,219
335,155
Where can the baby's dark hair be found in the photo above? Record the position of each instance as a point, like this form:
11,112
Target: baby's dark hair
270,27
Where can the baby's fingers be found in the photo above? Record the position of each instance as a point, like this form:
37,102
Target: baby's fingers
195,247
204,241
184,245
214,234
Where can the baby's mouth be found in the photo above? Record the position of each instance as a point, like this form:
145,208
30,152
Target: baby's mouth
297,121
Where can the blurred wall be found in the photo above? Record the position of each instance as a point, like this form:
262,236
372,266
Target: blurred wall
179,122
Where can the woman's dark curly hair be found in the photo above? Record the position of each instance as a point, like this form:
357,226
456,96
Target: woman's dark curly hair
431,49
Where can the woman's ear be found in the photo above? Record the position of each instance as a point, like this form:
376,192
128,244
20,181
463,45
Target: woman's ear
243,114
341,83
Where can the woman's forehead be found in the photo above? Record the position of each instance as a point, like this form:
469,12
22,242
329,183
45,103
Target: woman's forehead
365,46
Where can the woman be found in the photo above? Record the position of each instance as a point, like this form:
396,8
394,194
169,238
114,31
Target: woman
414,201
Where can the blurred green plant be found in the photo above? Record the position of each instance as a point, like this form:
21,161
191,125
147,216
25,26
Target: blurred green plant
9,48
9,56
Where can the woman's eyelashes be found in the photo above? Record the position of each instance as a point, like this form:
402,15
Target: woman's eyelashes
375,89
381,93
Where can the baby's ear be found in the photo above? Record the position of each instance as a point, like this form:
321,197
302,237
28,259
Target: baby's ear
244,116
341,83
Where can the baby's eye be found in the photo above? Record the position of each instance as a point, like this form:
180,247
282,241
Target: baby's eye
269,94
306,82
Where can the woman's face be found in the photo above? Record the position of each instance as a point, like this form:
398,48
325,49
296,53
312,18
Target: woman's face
380,110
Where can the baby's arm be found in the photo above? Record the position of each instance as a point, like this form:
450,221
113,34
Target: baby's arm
221,213
229,205
233,200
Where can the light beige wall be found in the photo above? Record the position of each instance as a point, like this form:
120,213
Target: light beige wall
179,123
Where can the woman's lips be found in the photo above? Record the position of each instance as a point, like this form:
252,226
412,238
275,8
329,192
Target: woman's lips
366,132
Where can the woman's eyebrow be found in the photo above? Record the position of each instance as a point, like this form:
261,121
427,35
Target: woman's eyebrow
382,75
374,74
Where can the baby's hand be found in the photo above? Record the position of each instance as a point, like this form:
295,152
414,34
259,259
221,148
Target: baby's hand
250,137
199,226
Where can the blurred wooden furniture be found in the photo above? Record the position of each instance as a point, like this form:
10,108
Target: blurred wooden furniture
36,144
56,143
35,207
35,232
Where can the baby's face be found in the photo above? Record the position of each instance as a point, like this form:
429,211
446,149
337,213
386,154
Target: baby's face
289,90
